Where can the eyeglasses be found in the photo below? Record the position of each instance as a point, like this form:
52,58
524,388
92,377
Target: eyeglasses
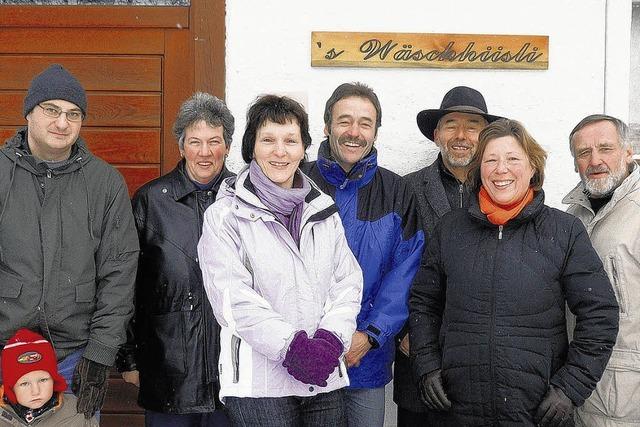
55,112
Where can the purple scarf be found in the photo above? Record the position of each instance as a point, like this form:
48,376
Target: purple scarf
285,203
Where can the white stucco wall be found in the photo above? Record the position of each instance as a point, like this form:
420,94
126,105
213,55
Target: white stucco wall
268,50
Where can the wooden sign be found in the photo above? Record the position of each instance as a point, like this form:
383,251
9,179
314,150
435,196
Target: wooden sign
348,49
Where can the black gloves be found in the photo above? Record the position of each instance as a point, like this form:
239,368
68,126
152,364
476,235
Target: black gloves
90,386
432,392
556,408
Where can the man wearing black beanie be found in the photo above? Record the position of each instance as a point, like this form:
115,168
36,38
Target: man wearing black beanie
68,246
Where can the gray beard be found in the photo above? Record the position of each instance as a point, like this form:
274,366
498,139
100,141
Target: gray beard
457,162
597,188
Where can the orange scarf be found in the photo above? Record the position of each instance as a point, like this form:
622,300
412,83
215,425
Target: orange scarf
500,214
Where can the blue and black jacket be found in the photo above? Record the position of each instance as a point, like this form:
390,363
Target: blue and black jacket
383,229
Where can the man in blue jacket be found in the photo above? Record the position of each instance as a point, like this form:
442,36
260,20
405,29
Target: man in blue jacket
383,230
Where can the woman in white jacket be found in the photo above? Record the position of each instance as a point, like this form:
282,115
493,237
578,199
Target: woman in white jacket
281,279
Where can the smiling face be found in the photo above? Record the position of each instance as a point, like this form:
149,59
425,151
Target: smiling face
278,151
352,130
51,138
204,151
600,159
34,389
457,137
505,171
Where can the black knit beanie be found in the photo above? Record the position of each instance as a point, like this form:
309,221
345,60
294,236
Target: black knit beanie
55,83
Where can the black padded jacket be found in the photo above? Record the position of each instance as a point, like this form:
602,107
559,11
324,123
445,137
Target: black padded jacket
488,308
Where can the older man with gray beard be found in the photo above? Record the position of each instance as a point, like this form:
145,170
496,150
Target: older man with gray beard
607,200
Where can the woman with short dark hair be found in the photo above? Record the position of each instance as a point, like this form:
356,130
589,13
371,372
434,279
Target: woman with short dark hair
281,279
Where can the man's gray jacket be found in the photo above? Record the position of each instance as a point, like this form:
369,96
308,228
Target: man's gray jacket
68,250
615,235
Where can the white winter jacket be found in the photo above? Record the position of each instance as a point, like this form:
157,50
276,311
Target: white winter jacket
263,288
615,234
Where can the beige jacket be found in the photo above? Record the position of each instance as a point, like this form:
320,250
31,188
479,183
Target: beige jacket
64,414
615,234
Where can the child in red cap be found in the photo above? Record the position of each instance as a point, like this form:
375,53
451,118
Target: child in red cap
32,389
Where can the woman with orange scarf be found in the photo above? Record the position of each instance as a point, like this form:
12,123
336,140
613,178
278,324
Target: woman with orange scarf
487,309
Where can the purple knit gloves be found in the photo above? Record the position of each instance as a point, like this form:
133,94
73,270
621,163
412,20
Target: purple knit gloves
312,360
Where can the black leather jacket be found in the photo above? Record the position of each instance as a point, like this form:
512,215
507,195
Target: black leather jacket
174,339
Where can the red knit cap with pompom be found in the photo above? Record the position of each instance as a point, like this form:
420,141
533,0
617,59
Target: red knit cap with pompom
25,352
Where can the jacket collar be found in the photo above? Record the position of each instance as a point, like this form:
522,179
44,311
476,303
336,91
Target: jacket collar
361,173
434,189
20,415
182,185
317,204
529,211
631,183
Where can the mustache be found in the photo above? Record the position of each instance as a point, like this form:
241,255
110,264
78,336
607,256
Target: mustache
346,139
597,169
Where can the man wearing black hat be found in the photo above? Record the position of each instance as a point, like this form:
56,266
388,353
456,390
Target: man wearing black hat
439,188
68,246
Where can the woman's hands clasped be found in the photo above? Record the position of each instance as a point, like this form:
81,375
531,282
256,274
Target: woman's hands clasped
312,360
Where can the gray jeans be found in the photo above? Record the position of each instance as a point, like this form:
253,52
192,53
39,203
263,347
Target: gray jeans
364,406
321,410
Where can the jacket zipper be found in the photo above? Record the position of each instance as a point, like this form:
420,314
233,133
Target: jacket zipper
461,191
493,326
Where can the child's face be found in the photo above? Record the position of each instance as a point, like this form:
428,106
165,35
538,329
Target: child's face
34,389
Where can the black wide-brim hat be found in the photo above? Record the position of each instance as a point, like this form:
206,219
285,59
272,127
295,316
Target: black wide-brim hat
461,99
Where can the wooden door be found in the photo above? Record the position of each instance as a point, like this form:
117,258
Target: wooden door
137,64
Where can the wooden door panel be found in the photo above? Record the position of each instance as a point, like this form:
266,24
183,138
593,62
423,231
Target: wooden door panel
122,420
104,109
124,109
119,388
177,83
124,145
105,73
85,40
136,176
6,132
